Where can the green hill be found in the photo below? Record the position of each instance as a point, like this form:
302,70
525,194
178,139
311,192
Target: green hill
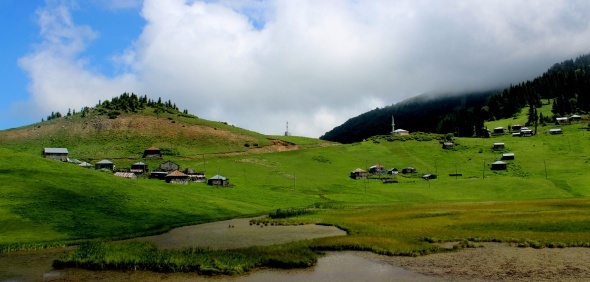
539,200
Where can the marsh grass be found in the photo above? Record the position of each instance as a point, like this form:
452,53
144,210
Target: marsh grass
145,256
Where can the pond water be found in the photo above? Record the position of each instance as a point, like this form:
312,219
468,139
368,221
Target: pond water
335,266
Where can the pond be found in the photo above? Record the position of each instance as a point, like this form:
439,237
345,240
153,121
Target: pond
335,266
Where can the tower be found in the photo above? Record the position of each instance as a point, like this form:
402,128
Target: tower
287,131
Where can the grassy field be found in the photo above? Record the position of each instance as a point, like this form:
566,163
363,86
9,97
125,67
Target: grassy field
541,200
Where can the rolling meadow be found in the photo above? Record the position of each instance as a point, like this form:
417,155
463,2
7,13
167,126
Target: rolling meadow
540,200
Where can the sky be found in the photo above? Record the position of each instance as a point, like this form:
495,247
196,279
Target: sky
259,64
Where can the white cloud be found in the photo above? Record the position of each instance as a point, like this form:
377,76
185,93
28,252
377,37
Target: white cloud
258,64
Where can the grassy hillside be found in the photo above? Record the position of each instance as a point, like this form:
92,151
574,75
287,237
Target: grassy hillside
540,200
97,136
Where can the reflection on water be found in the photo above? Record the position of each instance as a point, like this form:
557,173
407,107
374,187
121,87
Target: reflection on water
335,266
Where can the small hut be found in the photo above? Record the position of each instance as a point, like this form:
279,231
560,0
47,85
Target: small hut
499,130
516,127
498,146
448,145
60,154
152,153
508,156
169,166
195,176
139,167
159,173
105,165
499,165
377,169
526,132
555,131
358,174
177,177
218,180
408,169
392,171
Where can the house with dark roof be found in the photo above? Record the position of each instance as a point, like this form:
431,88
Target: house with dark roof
152,153
139,167
358,174
499,165
408,169
218,180
105,164
60,154
195,176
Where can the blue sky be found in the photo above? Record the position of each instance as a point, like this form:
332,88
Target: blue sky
260,63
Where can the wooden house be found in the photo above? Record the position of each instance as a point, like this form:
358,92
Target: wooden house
152,153
105,164
358,174
195,176
525,132
159,173
139,167
169,166
498,146
508,156
177,177
218,180
377,169
516,127
499,165
555,131
575,117
60,154
499,130
562,120
392,171
408,169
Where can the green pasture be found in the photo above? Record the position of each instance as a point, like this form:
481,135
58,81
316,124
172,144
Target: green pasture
541,200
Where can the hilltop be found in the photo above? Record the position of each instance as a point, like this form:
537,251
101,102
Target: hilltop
122,130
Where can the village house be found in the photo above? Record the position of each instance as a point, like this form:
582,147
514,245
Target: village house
105,165
498,146
508,156
555,131
195,176
218,180
159,173
562,120
152,153
60,154
358,174
408,169
516,127
377,169
177,177
139,167
499,165
392,171
499,130
575,117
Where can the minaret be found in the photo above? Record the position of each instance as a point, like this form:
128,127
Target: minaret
392,125
287,131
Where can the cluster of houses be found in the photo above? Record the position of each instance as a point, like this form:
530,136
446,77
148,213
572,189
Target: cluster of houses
379,169
168,171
